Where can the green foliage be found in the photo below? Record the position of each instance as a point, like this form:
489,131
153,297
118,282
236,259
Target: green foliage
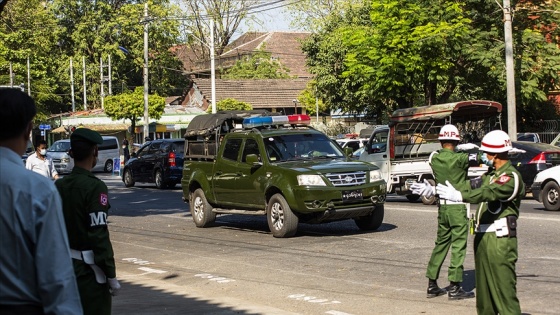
230,104
386,54
130,105
310,99
60,29
23,36
259,65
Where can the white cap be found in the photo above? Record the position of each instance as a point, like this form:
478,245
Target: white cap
496,141
449,132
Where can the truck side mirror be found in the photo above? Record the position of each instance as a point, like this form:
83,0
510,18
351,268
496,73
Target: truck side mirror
252,159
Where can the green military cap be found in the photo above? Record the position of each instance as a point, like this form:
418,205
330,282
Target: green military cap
87,135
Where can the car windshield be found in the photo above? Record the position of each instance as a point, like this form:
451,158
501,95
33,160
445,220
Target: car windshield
60,146
301,146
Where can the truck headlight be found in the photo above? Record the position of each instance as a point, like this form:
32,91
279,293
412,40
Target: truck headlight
310,180
374,175
65,160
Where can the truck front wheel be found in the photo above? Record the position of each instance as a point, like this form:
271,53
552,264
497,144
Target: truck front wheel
373,221
201,210
282,222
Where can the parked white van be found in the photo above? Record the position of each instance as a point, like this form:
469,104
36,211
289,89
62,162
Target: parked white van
64,164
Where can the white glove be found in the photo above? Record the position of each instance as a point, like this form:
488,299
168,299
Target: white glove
114,286
423,189
449,192
466,147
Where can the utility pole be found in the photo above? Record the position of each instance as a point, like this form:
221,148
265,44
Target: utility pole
102,93
511,108
146,116
28,78
72,85
84,77
212,66
110,87
11,76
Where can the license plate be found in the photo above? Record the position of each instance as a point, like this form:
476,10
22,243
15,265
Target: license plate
352,195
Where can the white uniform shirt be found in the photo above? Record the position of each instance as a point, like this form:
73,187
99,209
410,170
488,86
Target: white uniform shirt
44,167
34,252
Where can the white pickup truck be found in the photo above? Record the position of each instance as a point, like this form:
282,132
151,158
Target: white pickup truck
401,149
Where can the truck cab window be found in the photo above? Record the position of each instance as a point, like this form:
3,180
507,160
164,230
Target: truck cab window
231,149
379,142
251,147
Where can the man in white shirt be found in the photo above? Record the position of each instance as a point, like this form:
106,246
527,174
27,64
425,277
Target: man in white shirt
40,163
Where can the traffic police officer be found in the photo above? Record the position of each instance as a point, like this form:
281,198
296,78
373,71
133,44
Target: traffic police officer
495,243
452,166
85,205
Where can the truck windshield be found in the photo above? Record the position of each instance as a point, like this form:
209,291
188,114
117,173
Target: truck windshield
301,146
60,146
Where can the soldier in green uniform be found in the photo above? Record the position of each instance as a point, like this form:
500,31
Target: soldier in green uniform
452,166
495,245
85,205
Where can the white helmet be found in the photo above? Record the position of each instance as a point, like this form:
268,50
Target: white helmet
449,132
496,141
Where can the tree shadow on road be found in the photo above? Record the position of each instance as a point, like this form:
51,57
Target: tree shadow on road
146,300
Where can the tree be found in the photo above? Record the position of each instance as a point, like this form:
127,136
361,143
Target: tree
309,98
227,16
99,29
231,104
389,54
130,105
259,65
311,15
30,37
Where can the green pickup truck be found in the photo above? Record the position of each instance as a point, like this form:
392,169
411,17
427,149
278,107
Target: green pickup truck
276,166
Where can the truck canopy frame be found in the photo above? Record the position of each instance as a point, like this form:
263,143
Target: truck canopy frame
415,130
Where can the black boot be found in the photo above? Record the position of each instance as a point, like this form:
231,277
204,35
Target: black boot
457,293
434,290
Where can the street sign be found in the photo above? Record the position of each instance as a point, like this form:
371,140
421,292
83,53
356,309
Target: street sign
44,127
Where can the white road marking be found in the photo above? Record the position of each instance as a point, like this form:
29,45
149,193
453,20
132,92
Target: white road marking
150,270
213,278
311,299
138,261
144,201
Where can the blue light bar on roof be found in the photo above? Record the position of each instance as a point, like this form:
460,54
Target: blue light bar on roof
260,121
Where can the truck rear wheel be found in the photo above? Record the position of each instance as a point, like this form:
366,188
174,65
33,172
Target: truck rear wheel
432,200
201,210
373,221
282,222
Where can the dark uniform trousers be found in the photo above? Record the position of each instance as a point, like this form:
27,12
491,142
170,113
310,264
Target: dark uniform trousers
495,265
452,232
95,297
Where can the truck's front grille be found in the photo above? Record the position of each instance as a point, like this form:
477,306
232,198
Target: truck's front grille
347,179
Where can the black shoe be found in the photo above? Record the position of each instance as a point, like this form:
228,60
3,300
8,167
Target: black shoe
457,293
434,290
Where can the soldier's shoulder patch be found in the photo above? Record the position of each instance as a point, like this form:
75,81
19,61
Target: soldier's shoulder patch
503,179
103,199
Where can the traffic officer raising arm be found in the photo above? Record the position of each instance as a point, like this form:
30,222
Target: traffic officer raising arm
85,204
495,244
449,165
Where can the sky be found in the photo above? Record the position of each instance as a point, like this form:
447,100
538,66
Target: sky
275,20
